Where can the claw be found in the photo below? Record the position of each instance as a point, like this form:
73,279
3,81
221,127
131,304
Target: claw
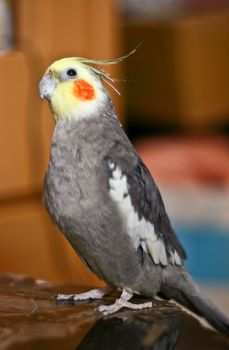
91,294
121,303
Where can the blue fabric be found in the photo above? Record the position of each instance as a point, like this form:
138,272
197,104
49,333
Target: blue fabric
207,248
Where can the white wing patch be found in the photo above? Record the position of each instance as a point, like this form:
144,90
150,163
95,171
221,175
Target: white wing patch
175,259
141,231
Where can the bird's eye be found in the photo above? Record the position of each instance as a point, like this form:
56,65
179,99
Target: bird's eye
71,72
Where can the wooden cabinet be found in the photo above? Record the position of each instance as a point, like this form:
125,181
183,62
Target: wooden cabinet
181,70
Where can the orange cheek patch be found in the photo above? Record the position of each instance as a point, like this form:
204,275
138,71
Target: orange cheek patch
83,90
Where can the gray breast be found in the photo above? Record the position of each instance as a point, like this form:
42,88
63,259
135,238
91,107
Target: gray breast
77,198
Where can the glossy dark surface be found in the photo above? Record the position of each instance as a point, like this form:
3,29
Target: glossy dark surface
32,319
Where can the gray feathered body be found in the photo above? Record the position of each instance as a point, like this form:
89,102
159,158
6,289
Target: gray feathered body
77,197
103,198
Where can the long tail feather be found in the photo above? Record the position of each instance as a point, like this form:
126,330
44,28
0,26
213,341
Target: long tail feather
179,286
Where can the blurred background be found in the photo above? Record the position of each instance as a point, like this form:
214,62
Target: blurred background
174,107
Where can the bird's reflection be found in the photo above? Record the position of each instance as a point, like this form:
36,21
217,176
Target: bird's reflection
135,331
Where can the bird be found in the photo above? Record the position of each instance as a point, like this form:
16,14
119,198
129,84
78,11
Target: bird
102,197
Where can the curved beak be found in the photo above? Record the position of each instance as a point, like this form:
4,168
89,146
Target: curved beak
46,87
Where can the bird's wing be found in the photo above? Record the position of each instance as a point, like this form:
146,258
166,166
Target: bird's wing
132,187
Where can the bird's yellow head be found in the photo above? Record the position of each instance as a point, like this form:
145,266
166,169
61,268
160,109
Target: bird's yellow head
73,86
73,89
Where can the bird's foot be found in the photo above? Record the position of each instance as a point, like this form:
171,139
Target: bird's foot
118,305
121,303
91,294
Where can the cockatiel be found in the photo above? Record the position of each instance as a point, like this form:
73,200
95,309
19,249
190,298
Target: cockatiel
103,198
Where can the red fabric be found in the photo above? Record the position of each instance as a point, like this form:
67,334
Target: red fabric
187,161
